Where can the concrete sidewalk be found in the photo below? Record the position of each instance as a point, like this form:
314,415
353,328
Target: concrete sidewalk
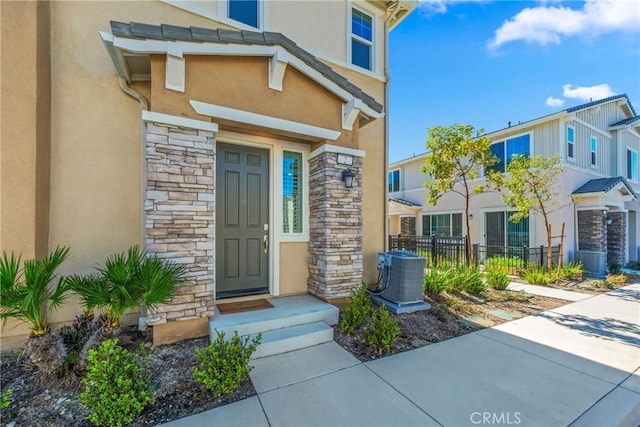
575,365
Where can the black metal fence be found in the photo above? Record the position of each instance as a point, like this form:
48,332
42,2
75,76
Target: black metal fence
433,248
454,250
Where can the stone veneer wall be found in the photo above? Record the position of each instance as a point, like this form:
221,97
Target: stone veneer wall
617,238
179,208
408,226
592,232
335,226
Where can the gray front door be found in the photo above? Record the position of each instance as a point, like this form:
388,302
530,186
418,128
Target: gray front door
242,220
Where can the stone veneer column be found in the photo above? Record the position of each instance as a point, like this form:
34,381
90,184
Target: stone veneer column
592,231
335,226
408,226
617,238
179,207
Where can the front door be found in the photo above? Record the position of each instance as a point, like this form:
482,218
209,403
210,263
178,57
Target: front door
242,220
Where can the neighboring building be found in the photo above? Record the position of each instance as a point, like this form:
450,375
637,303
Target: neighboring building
211,133
598,144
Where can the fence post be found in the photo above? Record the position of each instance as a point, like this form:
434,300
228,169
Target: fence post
542,256
434,257
525,256
476,249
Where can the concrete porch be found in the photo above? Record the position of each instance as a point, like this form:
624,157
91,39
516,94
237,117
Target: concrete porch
293,323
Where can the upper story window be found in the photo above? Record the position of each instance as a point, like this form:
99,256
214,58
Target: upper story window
632,164
361,39
394,180
292,192
570,141
505,150
594,150
245,11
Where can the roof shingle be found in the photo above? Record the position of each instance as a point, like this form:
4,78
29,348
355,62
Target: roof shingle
195,34
603,185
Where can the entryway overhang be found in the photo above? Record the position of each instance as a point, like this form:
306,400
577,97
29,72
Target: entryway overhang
603,192
131,45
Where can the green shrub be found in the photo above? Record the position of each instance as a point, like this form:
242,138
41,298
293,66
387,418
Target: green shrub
5,398
382,331
505,261
615,267
497,278
536,276
356,311
223,365
438,279
573,271
117,388
469,279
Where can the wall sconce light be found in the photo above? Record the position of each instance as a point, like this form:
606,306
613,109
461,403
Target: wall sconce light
470,216
348,178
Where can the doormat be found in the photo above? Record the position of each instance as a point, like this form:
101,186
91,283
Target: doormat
239,307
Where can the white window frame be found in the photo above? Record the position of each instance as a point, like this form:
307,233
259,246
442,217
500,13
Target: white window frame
351,36
223,11
399,180
450,213
593,160
303,236
629,149
573,143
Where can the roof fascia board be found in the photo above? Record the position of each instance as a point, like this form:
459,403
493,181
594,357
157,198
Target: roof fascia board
262,120
117,59
404,161
189,48
592,127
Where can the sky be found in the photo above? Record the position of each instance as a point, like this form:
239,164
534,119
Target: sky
487,63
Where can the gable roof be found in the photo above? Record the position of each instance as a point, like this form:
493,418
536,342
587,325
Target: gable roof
568,111
603,185
627,122
173,33
404,202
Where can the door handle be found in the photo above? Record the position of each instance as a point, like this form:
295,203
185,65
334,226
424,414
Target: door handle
265,240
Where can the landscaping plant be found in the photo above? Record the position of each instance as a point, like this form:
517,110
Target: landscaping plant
356,311
224,365
117,388
382,331
28,292
497,278
536,276
573,271
5,398
438,279
128,281
615,267
469,279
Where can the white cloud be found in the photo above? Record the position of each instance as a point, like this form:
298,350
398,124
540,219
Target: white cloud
554,102
549,24
590,93
431,7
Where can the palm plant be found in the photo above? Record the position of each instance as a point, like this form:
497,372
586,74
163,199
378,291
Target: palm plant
128,280
25,293
27,290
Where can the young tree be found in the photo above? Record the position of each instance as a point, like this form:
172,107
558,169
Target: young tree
457,154
532,183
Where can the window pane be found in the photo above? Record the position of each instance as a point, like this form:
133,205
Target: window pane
594,149
394,181
360,54
517,233
245,11
361,25
516,146
292,192
498,150
441,225
632,165
570,142
426,225
456,225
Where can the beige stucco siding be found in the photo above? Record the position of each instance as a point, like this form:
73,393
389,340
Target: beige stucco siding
293,268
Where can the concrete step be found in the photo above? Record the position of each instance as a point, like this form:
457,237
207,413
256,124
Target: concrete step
293,323
293,338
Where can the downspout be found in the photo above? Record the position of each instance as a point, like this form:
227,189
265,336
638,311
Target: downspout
387,75
144,106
